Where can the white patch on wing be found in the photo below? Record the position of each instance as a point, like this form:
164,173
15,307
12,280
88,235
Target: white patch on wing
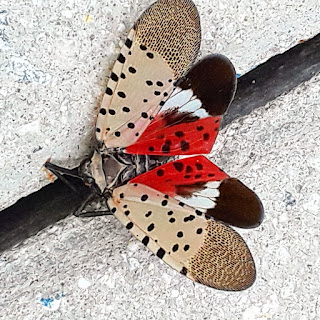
185,101
178,99
175,91
208,192
213,184
191,106
205,198
198,201
201,113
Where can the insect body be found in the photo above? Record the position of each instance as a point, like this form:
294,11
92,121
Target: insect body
158,107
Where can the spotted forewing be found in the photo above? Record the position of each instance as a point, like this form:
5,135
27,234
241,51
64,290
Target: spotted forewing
143,76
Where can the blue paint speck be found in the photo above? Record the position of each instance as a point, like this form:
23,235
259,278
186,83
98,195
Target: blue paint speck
46,302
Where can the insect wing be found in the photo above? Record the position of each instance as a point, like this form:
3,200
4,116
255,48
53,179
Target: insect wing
204,250
199,183
160,48
190,119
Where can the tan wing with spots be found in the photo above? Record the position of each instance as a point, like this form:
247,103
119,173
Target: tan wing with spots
204,250
160,48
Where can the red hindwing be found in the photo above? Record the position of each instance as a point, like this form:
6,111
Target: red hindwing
185,138
189,171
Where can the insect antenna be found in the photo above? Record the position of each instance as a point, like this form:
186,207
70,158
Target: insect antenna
60,171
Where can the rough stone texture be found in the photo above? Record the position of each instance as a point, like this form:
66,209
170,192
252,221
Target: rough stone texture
93,269
54,61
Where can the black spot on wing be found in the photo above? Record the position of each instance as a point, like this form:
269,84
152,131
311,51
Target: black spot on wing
144,197
114,77
164,203
184,145
175,247
150,55
179,134
129,225
160,173
109,92
200,128
184,271
160,253
145,240
206,136
178,166
128,43
121,94
189,218
189,169
166,146
121,58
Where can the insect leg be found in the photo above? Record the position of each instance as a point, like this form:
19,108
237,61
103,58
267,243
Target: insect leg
94,213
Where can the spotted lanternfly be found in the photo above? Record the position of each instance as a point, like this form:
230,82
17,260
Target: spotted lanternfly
157,107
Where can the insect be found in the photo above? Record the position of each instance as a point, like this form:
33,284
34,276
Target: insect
159,106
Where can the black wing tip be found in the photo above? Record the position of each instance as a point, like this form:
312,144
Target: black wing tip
213,80
237,205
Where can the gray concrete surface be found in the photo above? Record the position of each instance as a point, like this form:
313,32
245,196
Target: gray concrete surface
93,269
54,61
